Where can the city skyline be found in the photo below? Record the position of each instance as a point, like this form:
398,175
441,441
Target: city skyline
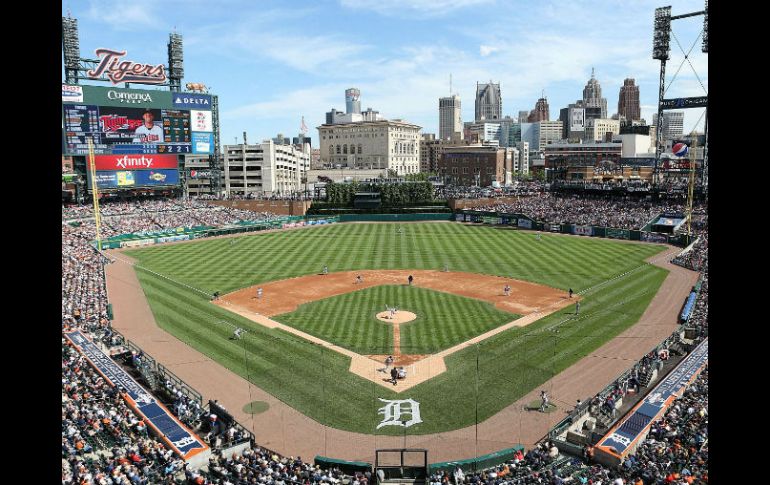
277,64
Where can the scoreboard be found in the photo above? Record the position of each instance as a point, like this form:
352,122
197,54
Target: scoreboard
116,121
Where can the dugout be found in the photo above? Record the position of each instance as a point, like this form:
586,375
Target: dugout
367,200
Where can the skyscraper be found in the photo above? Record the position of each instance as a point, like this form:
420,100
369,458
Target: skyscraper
628,101
450,119
352,101
489,102
672,124
523,115
592,96
540,113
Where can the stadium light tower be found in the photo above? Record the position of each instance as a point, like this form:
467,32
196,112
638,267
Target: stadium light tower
661,50
705,47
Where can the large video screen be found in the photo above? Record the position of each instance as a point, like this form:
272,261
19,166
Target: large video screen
114,129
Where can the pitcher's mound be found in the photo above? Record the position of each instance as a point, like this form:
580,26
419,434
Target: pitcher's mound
401,316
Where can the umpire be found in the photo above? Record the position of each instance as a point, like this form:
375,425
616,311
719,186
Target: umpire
394,376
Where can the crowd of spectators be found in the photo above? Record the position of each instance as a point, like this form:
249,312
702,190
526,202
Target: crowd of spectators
153,215
520,188
103,440
600,211
675,452
265,467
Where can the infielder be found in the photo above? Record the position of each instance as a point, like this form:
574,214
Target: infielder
259,293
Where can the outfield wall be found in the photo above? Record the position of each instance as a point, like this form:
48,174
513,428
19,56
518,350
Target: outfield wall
523,221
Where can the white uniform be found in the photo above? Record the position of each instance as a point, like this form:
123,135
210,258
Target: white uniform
151,135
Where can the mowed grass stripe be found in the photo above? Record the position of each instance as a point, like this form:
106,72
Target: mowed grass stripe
434,330
316,381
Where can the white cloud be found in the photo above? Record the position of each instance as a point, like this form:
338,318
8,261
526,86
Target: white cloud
485,50
126,15
398,7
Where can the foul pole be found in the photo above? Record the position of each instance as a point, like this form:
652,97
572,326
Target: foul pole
95,194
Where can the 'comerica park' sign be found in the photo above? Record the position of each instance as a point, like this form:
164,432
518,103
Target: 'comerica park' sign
118,71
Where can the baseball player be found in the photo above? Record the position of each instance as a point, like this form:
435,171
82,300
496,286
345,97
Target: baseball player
359,280
259,293
570,292
507,290
237,333
326,270
544,403
577,308
538,236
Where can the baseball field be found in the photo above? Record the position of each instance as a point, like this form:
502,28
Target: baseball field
458,296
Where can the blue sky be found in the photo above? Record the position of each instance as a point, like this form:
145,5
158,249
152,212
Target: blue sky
272,62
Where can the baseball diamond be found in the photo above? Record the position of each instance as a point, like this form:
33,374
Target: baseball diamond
613,280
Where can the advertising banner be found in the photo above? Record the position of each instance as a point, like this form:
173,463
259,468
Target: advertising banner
133,162
654,237
554,227
200,174
460,217
613,233
139,98
583,230
476,218
156,177
203,143
201,120
619,441
191,101
491,220
525,223
71,94
182,441
135,178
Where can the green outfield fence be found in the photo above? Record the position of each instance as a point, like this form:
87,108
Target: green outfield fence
395,217
522,221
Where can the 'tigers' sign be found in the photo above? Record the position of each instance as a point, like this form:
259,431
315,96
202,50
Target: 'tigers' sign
126,71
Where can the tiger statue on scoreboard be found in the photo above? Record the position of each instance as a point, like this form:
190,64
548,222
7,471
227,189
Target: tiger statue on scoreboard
200,87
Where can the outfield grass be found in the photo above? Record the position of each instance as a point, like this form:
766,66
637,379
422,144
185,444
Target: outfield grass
443,320
315,380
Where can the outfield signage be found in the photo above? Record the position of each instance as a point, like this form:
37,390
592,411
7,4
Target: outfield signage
620,440
71,94
460,217
176,435
201,120
137,98
613,233
654,237
583,230
525,223
203,143
135,178
191,101
135,162
554,227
